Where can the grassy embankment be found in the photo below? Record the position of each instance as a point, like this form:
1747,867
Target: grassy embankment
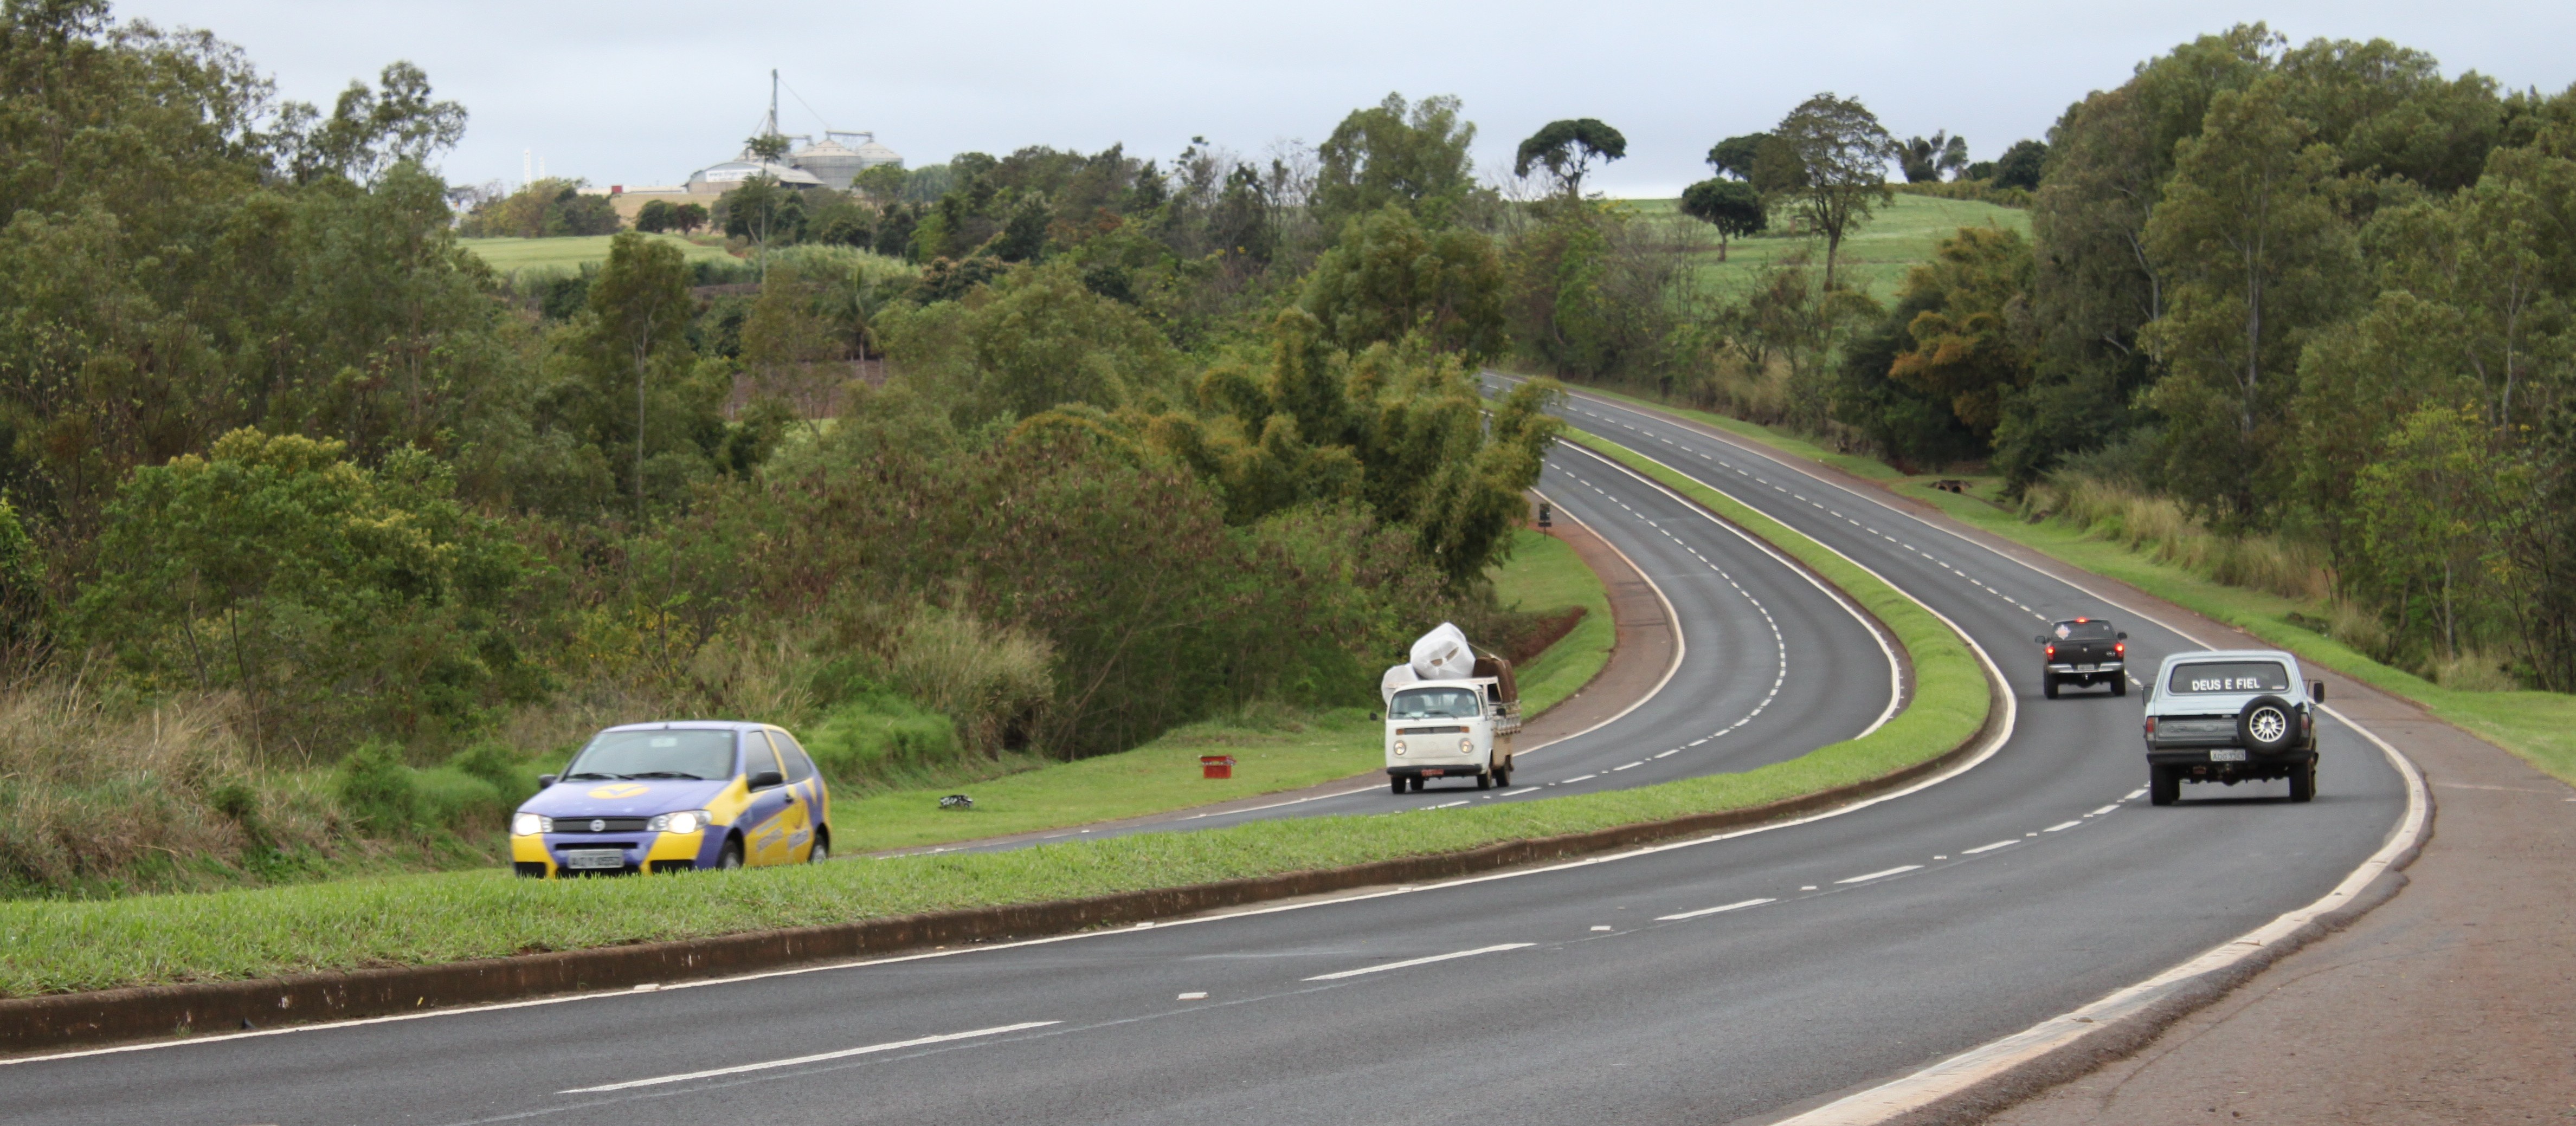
1272,751
409,920
569,254
1875,258
2539,726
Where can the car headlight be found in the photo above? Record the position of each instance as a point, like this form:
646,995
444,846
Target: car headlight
1399,746
529,825
1466,746
685,821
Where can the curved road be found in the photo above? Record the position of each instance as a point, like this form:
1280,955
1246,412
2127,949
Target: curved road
1745,976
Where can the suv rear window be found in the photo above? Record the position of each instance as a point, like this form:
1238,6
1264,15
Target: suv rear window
2229,676
2085,631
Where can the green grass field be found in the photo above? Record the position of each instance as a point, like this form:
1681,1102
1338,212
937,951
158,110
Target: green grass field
59,946
1272,751
1875,258
511,255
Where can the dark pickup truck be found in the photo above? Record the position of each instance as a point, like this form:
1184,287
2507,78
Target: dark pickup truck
2084,651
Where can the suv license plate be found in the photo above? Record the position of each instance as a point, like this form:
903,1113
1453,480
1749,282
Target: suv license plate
2227,754
594,858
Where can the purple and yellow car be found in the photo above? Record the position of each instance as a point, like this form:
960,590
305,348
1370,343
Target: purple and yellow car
667,797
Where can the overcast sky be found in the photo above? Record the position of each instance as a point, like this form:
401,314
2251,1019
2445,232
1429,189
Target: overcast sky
644,92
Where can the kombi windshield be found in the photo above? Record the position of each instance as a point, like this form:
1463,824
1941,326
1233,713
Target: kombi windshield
655,754
1435,703
2229,676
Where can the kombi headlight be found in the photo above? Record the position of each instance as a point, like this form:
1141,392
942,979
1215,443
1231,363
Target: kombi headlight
1399,746
685,821
1466,746
530,824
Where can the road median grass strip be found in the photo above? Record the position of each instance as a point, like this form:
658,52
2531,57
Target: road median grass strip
54,947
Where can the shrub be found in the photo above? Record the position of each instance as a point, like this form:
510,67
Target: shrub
377,791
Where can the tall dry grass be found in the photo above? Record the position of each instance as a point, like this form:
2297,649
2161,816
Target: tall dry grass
2158,527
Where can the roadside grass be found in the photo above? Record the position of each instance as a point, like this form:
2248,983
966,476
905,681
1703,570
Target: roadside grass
2538,726
54,946
1875,258
569,254
1545,574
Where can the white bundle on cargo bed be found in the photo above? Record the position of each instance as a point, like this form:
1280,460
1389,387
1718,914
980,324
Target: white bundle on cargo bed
1443,654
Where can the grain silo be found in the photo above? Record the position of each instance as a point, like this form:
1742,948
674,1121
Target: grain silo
836,163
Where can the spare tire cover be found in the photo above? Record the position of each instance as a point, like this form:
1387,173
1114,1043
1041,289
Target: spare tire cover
2269,725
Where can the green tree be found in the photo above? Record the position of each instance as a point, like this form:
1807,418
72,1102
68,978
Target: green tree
881,183
1731,206
333,597
766,146
1566,149
688,217
1972,346
2022,165
1928,159
1388,278
1736,156
1035,340
2433,507
2260,259
1417,156
640,308
1839,174
656,216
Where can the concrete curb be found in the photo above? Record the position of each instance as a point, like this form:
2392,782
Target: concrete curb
70,1020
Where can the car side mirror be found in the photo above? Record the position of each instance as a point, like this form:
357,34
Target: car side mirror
2124,635
764,779
2317,691
545,781
2041,639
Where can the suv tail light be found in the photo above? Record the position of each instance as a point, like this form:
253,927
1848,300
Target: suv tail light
2151,725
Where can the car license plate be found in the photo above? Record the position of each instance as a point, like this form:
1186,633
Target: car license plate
2084,668
594,858
2227,754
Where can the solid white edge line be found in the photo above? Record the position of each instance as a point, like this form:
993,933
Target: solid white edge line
1913,1092
1875,875
1411,962
1895,668
1994,742
1714,910
818,1057
1680,644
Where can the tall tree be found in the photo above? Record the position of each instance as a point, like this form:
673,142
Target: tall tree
1731,206
1567,149
1840,172
1414,155
1736,156
1389,277
2260,258
1928,159
642,307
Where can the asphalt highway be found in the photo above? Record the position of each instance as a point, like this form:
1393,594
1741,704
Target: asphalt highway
1705,982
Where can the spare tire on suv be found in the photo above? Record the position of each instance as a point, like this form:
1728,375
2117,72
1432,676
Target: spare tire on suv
2269,725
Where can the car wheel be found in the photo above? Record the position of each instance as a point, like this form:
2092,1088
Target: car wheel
822,849
2120,685
2268,725
2048,687
2164,785
731,857
2303,781
1395,783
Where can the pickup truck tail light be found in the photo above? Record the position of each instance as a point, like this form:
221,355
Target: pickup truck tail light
2052,652
2119,648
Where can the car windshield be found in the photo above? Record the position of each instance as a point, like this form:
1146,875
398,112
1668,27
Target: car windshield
1435,703
2229,676
655,754
2084,631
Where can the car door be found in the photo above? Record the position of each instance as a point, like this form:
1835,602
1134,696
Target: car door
813,814
764,821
